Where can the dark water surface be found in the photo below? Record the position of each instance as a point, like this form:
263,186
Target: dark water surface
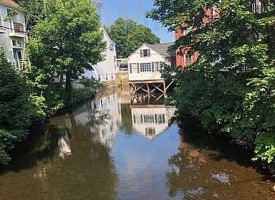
118,147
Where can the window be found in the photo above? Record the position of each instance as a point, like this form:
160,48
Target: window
115,62
160,118
1,21
19,55
9,11
149,119
14,43
150,131
99,78
157,66
187,30
214,12
188,59
134,68
112,46
19,43
145,67
256,7
145,53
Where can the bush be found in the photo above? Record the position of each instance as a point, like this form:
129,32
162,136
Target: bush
16,108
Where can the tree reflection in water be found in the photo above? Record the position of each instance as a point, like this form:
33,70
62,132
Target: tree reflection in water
209,168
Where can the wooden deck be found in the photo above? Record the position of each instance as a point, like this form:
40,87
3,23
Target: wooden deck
150,86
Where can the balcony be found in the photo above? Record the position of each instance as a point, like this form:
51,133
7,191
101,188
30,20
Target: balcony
17,30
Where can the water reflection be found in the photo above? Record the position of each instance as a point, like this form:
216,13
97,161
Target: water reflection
122,147
151,120
201,170
102,118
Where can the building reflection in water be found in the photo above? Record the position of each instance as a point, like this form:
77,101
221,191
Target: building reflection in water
102,117
151,120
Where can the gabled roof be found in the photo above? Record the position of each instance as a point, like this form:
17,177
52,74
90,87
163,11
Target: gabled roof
9,3
162,49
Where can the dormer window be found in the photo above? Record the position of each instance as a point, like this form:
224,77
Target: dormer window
112,46
145,53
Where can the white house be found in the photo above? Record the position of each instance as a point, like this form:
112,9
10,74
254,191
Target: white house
146,62
151,120
13,33
102,117
105,71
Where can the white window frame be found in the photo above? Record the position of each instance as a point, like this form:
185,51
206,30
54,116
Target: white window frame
145,67
143,55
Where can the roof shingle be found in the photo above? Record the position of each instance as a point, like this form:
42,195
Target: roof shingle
162,49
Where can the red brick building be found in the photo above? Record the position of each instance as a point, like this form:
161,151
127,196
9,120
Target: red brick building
183,56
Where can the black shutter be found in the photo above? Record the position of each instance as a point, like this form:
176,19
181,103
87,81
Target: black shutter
137,67
153,67
131,69
141,53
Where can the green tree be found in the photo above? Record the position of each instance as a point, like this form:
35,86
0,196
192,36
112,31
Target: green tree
62,45
129,35
231,86
16,108
33,10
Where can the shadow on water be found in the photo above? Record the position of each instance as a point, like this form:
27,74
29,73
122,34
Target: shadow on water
192,133
40,146
211,166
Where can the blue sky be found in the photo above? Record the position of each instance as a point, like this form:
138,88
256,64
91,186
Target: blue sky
134,9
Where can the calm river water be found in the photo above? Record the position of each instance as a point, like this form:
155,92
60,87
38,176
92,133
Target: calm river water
119,147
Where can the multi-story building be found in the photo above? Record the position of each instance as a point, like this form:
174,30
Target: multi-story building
13,34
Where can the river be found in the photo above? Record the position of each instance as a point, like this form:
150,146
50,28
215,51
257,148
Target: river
119,147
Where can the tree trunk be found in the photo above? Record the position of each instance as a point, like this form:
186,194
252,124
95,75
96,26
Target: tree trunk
68,89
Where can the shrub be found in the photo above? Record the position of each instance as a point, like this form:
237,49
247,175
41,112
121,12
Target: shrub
16,108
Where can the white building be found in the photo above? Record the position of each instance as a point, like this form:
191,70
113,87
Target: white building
105,71
102,117
13,33
146,62
151,120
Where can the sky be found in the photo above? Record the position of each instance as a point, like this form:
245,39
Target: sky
133,9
